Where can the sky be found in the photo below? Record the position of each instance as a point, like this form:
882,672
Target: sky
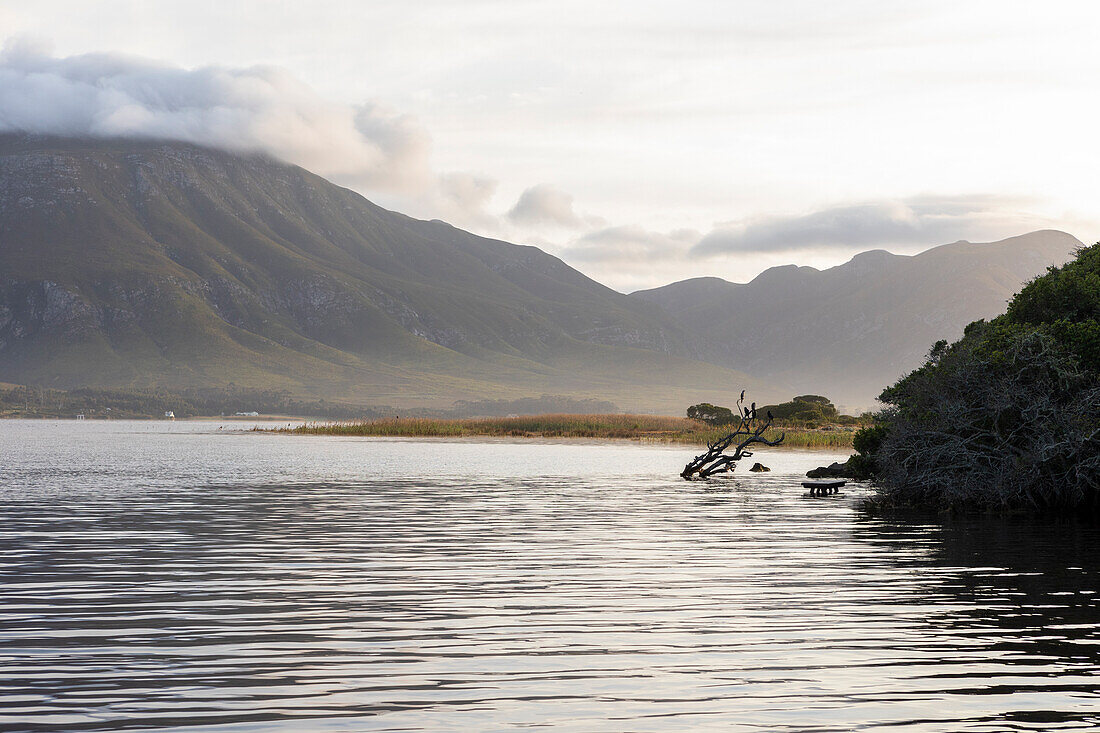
642,142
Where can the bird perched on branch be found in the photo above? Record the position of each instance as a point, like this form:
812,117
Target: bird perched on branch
770,416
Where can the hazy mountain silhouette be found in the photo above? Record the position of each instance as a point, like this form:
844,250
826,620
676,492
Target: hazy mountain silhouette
144,264
850,330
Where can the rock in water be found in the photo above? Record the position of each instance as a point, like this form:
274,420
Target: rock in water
759,467
834,470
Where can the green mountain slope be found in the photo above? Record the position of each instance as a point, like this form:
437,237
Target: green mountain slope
144,264
848,330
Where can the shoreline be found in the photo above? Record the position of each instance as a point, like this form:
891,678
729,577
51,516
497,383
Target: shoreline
557,440
646,429
638,428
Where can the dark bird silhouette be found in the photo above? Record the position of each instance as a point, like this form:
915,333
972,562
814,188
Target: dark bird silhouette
770,416
753,410
742,395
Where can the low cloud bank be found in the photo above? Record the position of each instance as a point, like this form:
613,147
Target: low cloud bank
918,221
257,109
631,244
254,109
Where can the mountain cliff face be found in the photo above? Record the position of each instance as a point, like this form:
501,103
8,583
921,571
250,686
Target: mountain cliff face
851,330
127,263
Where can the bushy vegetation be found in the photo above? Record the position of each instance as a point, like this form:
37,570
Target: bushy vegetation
866,441
811,411
711,414
1008,417
803,407
807,411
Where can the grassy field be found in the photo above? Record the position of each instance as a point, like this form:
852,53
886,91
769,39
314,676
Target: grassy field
655,428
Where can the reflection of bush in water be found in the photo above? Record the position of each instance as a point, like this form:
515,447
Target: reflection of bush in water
1038,579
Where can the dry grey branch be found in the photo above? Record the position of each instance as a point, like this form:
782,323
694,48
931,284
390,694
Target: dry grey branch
749,430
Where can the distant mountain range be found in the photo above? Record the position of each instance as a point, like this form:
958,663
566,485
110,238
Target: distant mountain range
150,264
851,330
146,264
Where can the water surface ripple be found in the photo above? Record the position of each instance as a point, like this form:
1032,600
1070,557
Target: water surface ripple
172,576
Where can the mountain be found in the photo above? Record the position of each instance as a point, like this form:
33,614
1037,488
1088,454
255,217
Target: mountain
146,264
150,264
851,330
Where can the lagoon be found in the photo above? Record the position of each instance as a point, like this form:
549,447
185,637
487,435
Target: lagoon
189,576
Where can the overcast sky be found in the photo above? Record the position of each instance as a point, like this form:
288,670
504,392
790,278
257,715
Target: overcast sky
644,142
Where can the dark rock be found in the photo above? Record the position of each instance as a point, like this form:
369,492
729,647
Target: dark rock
834,470
759,467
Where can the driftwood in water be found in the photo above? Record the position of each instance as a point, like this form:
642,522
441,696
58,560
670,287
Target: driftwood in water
750,430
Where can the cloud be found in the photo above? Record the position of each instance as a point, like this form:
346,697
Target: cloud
631,257
922,220
260,108
460,199
631,245
545,205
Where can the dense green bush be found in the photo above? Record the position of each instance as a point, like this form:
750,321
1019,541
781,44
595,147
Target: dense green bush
807,408
867,441
711,414
807,411
1008,417
1067,301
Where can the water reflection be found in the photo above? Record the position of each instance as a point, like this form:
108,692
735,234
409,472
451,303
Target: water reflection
1018,601
469,599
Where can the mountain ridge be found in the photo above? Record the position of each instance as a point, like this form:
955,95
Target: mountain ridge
145,263
850,330
153,264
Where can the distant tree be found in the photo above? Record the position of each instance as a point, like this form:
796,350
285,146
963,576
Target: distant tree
804,407
711,414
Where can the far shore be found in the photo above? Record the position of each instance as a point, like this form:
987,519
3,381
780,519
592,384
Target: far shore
647,428
158,418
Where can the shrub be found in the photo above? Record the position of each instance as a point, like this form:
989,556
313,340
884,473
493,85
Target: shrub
711,414
973,432
804,407
1009,416
868,440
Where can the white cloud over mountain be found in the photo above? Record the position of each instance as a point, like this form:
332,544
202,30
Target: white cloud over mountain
259,108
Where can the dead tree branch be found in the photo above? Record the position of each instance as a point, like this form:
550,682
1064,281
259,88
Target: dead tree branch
749,430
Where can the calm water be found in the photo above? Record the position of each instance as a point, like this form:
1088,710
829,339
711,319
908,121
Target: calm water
159,575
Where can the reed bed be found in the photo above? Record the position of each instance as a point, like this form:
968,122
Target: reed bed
654,428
